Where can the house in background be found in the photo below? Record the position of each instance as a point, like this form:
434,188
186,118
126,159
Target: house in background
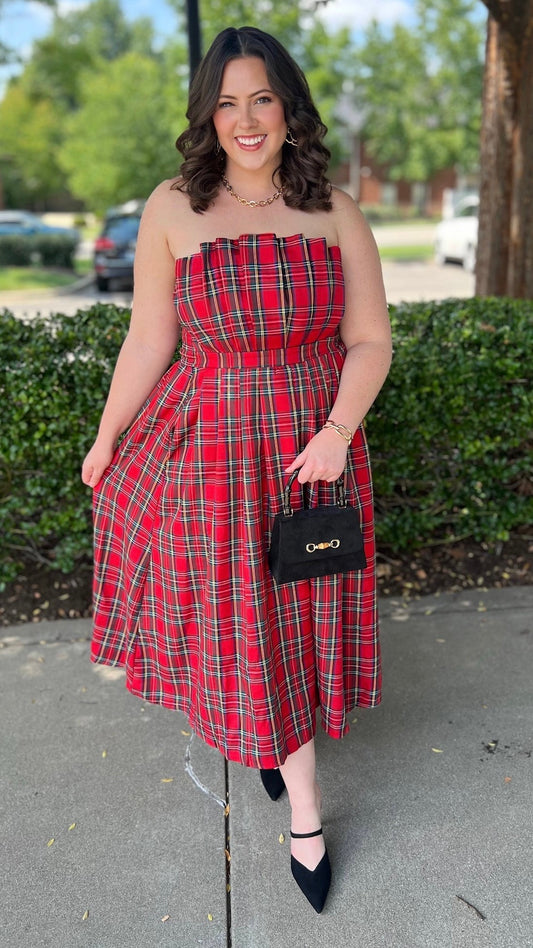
369,184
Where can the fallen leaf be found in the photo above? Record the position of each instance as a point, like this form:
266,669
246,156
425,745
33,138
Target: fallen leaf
281,838
507,779
354,720
437,750
186,733
440,640
165,918
85,915
227,809
210,917
104,753
167,779
51,841
71,827
228,887
228,855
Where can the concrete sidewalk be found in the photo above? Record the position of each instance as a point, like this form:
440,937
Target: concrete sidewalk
112,808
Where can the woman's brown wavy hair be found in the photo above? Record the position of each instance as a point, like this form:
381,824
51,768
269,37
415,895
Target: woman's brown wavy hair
303,168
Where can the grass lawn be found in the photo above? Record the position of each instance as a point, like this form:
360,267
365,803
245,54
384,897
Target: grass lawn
407,253
38,278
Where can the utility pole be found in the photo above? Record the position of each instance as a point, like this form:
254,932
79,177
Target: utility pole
193,31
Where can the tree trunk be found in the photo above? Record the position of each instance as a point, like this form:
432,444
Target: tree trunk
505,240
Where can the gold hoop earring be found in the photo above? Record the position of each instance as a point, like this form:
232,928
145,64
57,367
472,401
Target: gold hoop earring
290,139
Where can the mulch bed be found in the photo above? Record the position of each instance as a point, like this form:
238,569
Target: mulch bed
41,593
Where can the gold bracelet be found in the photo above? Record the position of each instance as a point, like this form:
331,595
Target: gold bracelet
340,429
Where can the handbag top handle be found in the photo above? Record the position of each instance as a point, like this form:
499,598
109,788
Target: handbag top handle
339,491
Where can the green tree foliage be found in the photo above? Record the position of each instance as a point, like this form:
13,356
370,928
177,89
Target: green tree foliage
35,112
29,133
6,53
78,42
283,18
420,89
103,30
119,145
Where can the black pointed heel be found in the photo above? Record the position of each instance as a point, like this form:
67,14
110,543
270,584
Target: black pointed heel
273,783
314,883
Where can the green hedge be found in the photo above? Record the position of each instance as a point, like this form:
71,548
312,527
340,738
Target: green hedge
49,250
450,432
54,376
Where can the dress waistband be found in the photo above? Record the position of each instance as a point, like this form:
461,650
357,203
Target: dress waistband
259,358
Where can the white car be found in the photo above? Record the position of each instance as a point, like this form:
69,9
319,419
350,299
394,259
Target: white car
456,237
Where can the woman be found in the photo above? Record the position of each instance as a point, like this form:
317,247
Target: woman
277,284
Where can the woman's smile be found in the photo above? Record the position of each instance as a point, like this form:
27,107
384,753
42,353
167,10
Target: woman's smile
250,142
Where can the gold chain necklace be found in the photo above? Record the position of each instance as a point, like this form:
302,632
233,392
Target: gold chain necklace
242,200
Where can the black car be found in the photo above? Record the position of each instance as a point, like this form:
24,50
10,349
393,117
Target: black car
114,249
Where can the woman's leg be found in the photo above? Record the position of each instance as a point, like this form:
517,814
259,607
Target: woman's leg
299,774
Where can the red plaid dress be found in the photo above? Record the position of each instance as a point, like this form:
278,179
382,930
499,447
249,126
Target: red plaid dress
184,599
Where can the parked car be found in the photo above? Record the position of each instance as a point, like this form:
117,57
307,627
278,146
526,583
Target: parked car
456,237
24,223
114,249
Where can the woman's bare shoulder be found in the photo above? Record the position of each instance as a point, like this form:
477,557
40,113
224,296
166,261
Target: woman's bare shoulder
167,194
351,224
345,208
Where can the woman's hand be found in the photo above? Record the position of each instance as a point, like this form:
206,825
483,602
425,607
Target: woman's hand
97,461
323,459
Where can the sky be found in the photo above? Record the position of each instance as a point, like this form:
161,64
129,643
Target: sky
23,22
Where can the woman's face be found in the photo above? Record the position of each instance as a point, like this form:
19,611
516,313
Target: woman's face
249,118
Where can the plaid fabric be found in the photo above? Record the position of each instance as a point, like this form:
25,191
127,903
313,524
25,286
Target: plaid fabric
183,595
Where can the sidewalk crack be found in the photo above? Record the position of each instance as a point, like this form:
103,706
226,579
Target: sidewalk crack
228,856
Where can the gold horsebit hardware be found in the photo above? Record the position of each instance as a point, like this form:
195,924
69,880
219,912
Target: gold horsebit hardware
334,544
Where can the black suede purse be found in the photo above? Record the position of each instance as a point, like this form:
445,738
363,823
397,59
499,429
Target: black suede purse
315,541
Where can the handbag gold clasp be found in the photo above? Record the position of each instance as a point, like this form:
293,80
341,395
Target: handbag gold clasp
324,545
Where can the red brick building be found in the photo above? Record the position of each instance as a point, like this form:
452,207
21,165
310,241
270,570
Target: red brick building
370,185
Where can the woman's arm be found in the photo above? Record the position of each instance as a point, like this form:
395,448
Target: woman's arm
365,331
365,327
151,340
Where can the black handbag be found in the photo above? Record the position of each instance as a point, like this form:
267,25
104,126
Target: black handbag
315,541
